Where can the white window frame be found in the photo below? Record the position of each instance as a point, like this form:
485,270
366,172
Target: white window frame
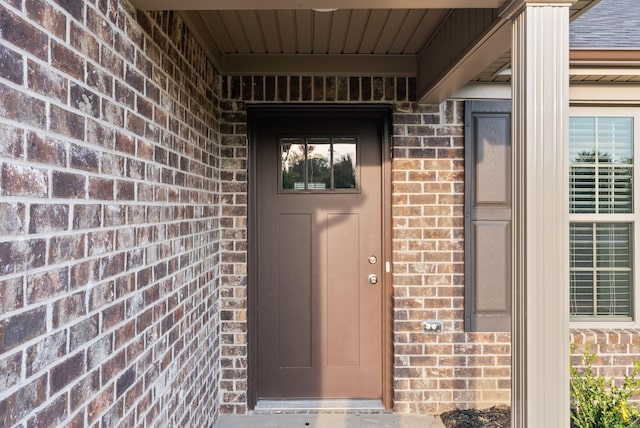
632,218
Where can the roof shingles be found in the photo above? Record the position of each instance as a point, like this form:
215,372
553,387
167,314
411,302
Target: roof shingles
613,24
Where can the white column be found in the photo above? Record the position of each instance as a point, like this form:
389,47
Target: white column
540,320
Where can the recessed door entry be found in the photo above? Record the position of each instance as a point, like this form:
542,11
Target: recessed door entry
319,249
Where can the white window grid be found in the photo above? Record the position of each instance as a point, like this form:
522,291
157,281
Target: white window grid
630,218
633,321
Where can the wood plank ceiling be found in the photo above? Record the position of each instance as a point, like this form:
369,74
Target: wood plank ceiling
361,37
363,31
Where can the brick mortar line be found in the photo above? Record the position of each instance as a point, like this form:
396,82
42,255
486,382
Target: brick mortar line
53,200
77,232
120,202
313,89
162,376
197,308
58,10
112,97
213,85
83,349
92,285
129,20
102,149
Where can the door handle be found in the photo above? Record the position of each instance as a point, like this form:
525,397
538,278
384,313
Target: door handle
373,279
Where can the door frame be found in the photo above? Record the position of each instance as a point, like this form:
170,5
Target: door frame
277,111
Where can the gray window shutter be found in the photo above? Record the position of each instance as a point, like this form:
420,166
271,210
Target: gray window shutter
487,216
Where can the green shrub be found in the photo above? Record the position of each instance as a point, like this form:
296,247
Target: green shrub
598,402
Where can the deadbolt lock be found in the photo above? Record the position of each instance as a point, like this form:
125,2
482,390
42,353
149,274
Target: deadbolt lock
373,279
373,260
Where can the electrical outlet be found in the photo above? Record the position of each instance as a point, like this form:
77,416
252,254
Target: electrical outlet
431,326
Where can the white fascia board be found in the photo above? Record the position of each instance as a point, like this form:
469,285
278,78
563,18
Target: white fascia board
605,70
626,94
483,91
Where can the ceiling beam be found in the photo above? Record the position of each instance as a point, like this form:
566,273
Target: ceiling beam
321,65
311,4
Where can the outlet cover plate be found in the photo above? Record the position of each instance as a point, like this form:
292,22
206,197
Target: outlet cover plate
431,326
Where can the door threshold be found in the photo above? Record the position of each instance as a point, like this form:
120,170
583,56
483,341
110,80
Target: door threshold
319,405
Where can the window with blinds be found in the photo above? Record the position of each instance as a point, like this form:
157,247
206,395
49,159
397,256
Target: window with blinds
601,207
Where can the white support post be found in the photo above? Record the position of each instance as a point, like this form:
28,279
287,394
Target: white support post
540,311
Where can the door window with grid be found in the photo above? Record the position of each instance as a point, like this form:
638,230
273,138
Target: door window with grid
602,223
321,164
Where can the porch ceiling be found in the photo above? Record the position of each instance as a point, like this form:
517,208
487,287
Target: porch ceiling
312,4
362,37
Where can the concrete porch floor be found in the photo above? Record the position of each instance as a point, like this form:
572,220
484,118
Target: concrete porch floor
347,420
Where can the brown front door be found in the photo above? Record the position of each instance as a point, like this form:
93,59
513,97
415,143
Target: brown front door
319,254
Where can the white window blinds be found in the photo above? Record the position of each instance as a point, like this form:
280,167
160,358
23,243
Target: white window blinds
601,207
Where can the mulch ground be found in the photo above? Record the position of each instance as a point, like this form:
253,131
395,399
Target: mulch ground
494,417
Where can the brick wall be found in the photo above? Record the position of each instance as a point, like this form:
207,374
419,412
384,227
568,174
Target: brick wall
616,351
109,230
436,372
432,373
123,200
